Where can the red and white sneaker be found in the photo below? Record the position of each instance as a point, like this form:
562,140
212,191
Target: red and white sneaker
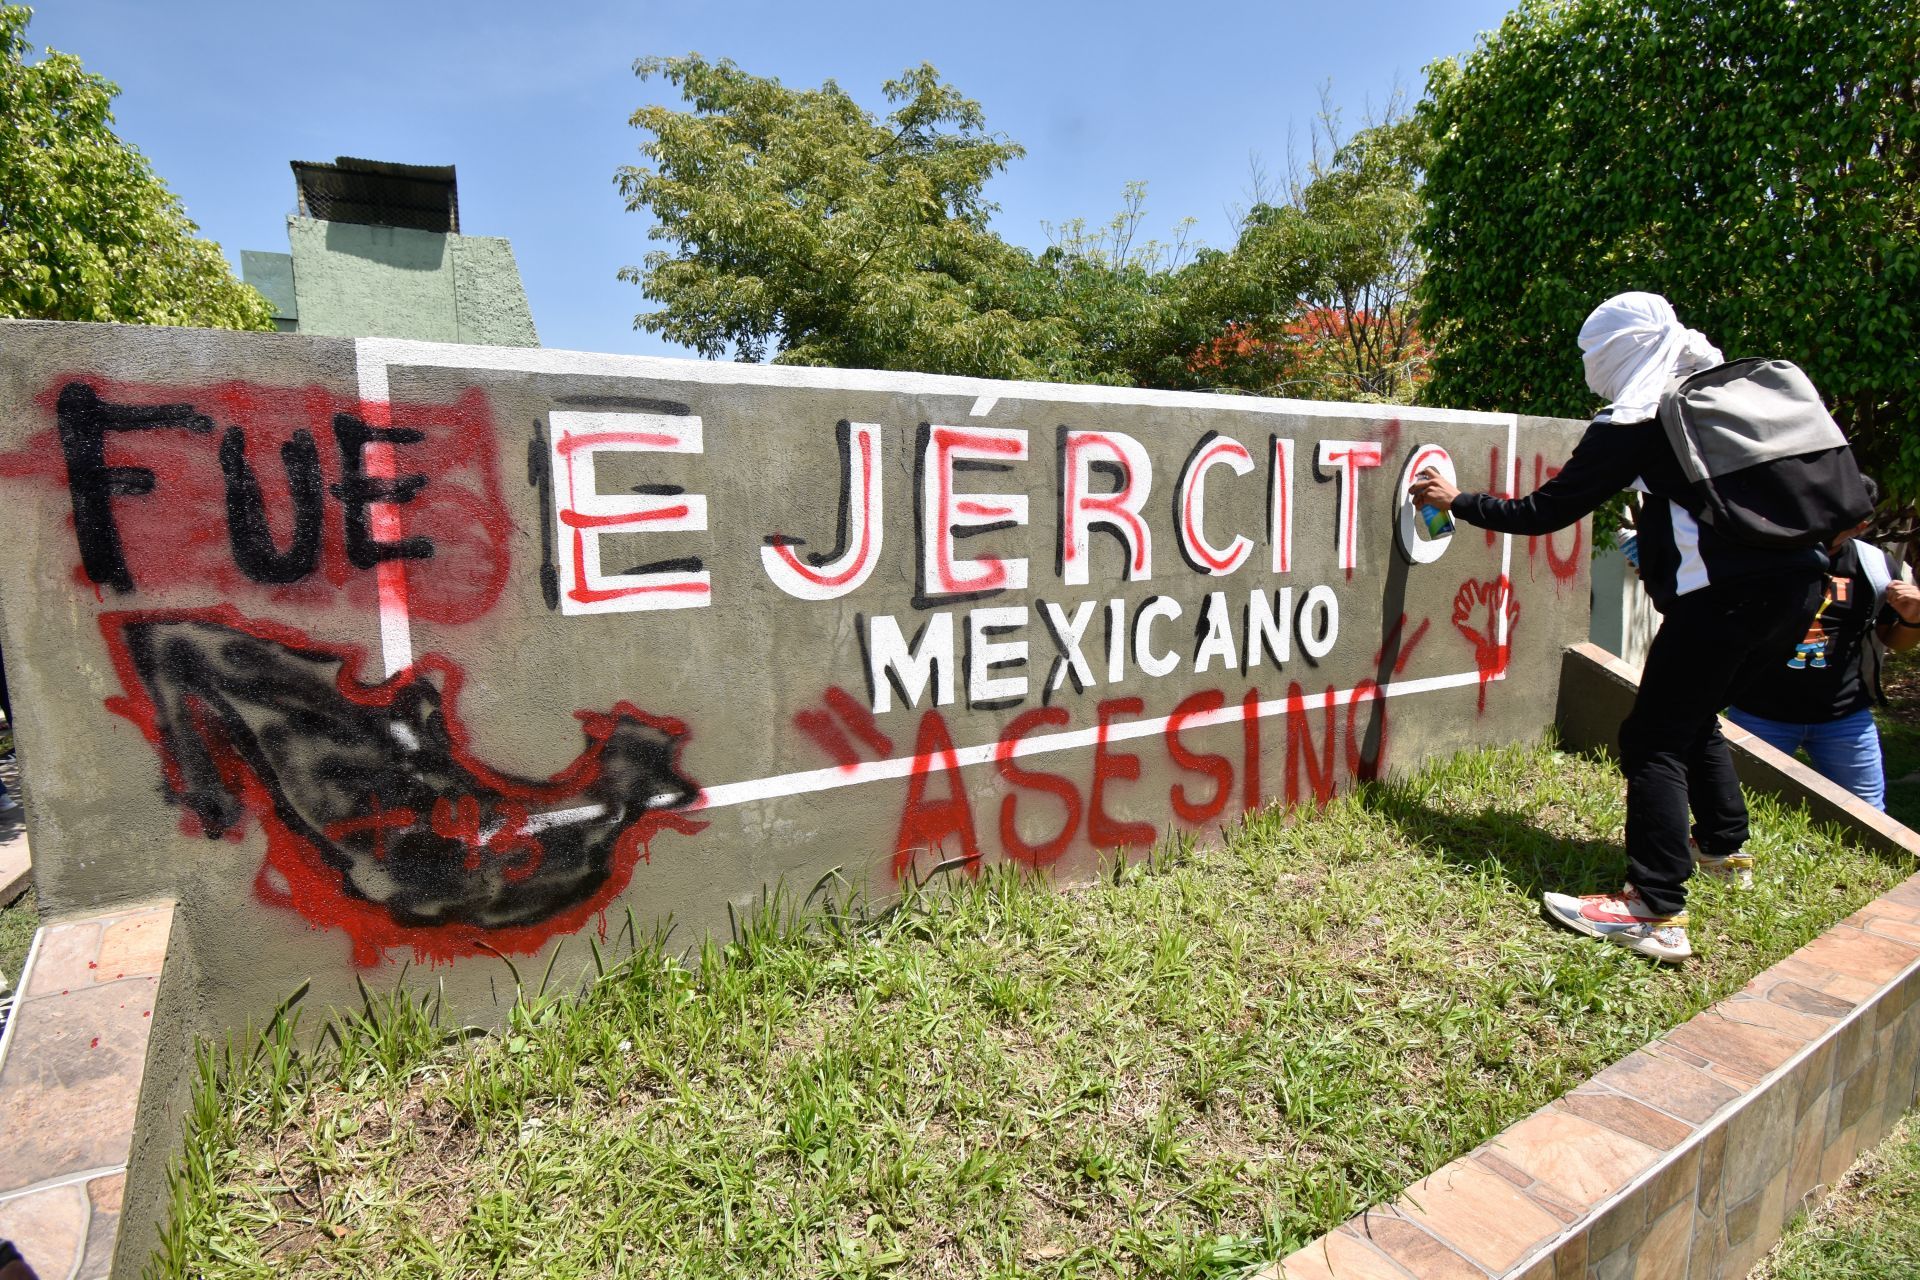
1623,918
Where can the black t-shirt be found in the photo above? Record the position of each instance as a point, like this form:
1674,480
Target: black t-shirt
1822,682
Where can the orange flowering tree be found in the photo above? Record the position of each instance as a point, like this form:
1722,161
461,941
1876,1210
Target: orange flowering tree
1352,331
1323,353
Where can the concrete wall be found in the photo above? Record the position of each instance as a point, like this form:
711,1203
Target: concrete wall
386,652
1624,619
272,275
488,299
353,280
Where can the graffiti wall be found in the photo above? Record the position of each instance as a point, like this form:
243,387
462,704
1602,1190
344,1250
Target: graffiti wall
377,653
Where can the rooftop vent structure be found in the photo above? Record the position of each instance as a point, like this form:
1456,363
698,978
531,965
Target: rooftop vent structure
376,193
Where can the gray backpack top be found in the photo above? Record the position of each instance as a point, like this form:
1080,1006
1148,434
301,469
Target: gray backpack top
1768,465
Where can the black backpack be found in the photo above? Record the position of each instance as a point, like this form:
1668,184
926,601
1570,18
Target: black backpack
1768,464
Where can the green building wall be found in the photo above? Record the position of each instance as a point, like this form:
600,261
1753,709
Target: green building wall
349,280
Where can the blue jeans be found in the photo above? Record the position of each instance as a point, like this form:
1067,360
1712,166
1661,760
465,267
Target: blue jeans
1846,750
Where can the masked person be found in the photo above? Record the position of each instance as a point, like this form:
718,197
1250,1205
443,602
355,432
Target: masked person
1820,698
1729,612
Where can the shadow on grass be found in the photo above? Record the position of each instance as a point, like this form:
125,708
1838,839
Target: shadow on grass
1499,842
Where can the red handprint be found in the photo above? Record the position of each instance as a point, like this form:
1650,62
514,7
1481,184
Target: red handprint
1491,650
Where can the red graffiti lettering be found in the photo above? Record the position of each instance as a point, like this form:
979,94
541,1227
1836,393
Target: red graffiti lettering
1352,457
939,819
1117,511
1062,789
294,495
1216,767
377,823
1191,506
927,824
1109,767
942,571
1565,567
1300,748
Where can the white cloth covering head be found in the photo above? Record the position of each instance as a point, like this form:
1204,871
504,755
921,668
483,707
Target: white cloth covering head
1633,345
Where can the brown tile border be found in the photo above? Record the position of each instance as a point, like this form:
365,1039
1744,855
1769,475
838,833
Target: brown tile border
1686,1158
16,867
1596,689
72,1061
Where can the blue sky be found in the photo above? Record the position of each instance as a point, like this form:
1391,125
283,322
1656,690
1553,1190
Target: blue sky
531,102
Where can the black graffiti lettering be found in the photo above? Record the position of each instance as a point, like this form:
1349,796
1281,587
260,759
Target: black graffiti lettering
358,490
843,532
678,564
253,547
540,476
92,485
378,788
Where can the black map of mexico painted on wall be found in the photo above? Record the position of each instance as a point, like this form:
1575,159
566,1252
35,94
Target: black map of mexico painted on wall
379,819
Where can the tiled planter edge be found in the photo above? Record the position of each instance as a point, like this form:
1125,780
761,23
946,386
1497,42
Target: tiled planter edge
72,1066
1686,1158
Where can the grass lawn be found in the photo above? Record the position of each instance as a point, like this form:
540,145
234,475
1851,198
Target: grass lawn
1194,1066
1900,735
17,924
1869,1226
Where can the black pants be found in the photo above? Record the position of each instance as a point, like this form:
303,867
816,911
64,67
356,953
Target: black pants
1711,643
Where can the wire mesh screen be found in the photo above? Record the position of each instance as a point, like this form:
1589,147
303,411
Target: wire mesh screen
379,194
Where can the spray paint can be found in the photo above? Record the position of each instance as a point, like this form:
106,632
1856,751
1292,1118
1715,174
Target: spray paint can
1629,543
1438,523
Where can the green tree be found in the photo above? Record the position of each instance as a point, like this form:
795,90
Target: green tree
1757,161
1134,311
87,230
804,228
1326,276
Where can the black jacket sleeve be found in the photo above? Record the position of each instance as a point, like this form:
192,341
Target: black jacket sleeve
1607,460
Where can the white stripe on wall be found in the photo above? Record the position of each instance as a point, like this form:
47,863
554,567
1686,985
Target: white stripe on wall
790,784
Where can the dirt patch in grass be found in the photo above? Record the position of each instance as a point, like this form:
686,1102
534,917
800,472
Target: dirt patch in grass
1187,1069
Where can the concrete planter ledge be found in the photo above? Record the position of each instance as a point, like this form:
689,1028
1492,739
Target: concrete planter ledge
1686,1158
71,1066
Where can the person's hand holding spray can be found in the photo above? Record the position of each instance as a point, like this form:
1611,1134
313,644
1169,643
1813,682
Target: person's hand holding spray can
1435,499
